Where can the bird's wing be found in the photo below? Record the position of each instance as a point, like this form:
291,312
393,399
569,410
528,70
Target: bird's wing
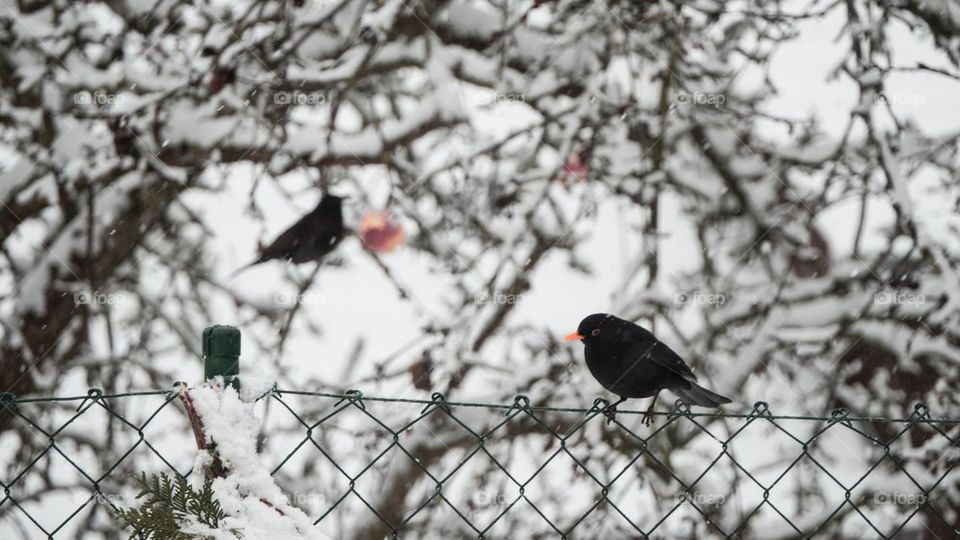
286,243
664,356
647,345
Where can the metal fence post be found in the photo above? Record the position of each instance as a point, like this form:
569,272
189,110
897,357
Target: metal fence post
221,353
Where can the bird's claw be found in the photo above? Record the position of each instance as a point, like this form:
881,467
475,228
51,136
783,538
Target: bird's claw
610,413
648,419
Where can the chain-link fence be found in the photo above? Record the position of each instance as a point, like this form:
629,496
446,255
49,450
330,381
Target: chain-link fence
370,467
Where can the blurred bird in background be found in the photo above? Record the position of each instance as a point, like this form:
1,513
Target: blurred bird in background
309,239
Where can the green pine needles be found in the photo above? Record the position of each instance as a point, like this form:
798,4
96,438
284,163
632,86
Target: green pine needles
169,506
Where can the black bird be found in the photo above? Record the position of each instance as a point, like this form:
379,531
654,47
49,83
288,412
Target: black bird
631,362
310,238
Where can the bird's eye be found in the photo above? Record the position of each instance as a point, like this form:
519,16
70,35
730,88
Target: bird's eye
596,332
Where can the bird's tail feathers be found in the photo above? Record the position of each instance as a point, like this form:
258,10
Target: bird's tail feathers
700,396
243,268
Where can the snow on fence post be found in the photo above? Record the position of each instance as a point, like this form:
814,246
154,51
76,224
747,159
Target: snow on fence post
221,357
221,353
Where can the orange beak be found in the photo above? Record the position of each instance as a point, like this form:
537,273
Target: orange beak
572,336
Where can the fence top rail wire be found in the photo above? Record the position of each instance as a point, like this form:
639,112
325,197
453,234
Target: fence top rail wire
921,413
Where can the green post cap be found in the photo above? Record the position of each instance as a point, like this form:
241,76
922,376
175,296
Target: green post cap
221,353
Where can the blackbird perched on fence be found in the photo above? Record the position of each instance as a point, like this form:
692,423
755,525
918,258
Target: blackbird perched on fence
631,362
310,238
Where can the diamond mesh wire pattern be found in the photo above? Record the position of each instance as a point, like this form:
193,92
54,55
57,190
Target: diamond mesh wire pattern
370,467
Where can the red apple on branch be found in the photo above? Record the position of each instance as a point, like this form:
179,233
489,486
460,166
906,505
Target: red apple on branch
380,232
